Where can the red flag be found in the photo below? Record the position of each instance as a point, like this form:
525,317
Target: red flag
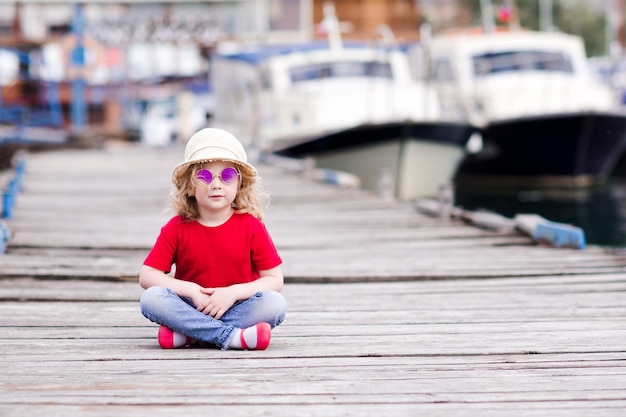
504,13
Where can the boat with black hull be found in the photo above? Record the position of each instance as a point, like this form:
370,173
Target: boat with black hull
353,107
555,151
543,118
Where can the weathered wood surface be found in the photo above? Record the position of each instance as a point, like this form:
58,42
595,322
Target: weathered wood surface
374,328
514,346
96,213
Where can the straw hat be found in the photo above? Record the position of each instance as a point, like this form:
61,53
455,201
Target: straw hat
213,144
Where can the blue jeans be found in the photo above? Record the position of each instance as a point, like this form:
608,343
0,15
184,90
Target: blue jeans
164,306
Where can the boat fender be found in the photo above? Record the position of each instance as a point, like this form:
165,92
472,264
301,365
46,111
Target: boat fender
551,233
487,220
428,206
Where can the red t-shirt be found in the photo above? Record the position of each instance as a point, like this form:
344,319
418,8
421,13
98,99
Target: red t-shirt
232,253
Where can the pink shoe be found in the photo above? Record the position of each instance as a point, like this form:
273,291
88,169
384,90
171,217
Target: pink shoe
169,339
263,336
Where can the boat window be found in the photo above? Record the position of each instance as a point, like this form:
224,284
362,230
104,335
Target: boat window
310,72
380,69
509,61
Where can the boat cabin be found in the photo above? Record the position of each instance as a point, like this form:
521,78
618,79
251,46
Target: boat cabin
484,77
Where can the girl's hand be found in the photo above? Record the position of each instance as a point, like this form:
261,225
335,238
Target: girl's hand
200,300
220,300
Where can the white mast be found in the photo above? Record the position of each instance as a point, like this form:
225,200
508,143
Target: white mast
486,11
545,16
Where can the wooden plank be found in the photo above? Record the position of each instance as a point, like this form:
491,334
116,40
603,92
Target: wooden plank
387,262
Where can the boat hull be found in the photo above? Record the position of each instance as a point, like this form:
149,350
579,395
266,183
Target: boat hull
570,150
405,160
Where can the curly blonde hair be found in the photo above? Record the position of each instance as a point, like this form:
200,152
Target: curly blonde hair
250,198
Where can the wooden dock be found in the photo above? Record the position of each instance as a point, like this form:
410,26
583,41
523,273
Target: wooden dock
391,312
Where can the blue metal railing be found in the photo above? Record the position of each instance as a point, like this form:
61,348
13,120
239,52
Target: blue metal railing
9,197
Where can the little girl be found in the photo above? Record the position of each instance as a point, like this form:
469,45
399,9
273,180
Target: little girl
227,281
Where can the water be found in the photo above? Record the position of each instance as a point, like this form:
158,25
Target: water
601,213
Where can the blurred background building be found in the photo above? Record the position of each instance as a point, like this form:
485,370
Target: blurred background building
146,43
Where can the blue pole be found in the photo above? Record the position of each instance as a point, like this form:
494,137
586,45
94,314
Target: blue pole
78,108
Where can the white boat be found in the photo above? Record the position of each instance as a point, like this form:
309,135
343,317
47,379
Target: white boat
544,117
486,77
311,99
271,94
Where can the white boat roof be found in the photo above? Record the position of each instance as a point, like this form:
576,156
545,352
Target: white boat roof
255,54
474,42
